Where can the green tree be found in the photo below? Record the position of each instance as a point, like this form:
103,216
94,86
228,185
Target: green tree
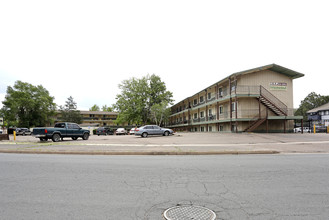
94,108
26,105
160,113
311,101
69,111
107,109
138,96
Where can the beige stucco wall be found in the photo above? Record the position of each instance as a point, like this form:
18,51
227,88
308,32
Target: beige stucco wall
266,77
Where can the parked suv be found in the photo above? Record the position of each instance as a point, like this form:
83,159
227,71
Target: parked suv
104,131
152,130
23,131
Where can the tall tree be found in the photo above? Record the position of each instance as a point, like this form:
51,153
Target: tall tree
311,101
26,105
138,96
107,109
94,108
69,111
160,113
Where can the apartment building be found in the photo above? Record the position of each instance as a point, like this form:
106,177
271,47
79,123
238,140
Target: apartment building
94,118
259,100
99,118
320,115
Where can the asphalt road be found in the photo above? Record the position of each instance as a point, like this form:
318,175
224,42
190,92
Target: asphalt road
143,187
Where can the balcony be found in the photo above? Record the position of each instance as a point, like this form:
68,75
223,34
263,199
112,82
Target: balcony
314,117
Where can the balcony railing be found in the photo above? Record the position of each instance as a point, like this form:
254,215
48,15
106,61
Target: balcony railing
244,90
246,114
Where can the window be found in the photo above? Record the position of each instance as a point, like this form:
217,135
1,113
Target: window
221,128
233,107
221,110
233,86
202,114
201,99
195,115
75,126
202,129
195,102
210,128
220,92
60,125
209,95
210,112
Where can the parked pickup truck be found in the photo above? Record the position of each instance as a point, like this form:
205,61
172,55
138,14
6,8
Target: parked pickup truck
60,131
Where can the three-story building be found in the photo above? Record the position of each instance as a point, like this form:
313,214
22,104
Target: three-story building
260,99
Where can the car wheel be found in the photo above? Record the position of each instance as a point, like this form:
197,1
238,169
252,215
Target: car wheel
56,138
85,136
166,133
144,135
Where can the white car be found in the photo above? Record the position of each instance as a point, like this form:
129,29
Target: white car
299,129
121,131
132,131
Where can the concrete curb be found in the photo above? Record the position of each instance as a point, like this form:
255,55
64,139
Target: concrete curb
140,152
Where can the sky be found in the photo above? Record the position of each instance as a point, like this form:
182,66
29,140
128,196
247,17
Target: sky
85,49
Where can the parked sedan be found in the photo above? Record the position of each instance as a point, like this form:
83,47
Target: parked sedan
104,131
132,131
152,130
121,131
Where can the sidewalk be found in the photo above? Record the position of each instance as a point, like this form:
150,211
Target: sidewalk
178,144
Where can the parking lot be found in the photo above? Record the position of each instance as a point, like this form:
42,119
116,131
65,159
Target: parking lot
180,143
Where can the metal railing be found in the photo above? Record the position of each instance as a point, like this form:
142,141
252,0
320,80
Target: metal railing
274,100
244,90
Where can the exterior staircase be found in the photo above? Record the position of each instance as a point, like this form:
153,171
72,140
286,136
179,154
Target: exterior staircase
255,124
272,103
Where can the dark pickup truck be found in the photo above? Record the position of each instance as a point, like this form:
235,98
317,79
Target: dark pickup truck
60,131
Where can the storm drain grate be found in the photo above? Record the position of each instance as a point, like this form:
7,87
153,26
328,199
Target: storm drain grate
189,212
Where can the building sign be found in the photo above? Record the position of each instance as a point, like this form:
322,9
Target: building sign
278,86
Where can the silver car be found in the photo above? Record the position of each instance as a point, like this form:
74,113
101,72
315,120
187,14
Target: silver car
152,130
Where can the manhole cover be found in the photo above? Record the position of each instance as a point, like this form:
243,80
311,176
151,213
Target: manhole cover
189,212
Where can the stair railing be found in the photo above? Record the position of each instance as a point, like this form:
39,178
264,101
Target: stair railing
274,100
